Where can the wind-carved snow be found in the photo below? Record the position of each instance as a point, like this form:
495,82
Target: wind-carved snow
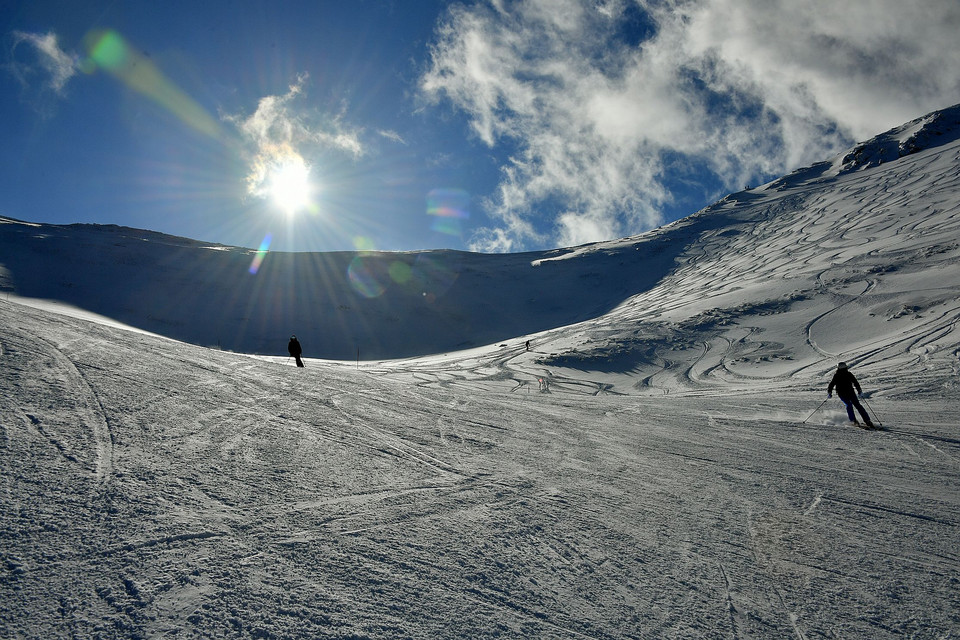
664,466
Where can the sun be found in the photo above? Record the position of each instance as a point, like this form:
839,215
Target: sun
289,186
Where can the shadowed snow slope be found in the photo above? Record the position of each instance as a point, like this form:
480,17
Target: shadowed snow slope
661,463
385,304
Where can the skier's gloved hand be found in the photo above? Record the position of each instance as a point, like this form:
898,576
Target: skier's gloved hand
829,394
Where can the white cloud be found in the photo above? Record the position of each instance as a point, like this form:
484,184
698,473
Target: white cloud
392,136
738,88
862,66
47,71
280,131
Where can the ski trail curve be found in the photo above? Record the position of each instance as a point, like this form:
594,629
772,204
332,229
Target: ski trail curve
92,411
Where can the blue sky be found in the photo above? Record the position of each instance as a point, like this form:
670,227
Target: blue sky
488,126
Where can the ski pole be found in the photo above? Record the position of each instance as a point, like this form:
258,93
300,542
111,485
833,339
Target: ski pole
814,411
873,411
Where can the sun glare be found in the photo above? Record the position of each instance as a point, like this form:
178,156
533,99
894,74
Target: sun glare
289,186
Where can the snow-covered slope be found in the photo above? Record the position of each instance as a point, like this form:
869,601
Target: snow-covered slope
659,464
152,489
858,221
386,305
852,260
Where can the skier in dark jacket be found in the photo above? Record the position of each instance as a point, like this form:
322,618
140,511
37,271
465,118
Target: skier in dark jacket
294,348
845,382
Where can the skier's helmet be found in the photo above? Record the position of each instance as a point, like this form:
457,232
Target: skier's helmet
842,365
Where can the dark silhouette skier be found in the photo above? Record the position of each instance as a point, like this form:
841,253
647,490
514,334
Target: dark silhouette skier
295,350
845,382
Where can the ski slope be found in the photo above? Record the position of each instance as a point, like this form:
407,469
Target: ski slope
677,475
157,489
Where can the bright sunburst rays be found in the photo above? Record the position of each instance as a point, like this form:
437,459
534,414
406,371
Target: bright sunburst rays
289,186
281,176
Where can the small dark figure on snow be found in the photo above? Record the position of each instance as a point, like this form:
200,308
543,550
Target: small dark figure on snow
295,350
845,382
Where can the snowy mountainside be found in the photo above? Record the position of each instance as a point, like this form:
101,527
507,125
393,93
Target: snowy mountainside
387,305
870,209
778,283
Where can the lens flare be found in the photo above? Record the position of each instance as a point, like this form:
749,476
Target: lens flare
109,51
400,272
363,243
429,275
363,279
261,253
435,274
448,207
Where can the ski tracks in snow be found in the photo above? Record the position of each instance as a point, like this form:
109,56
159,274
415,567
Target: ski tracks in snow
65,402
266,500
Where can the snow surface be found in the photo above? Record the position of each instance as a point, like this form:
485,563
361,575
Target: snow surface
659,464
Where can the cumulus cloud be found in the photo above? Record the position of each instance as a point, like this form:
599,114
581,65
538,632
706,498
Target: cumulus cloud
861,66
605,103
46,69
280,131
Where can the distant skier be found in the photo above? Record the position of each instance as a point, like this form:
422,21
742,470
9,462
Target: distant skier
845,382
295,350
528,345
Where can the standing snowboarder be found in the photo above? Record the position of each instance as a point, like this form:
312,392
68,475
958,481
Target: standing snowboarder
295,350
845,382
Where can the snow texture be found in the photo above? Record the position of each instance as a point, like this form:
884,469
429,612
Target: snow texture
661,463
